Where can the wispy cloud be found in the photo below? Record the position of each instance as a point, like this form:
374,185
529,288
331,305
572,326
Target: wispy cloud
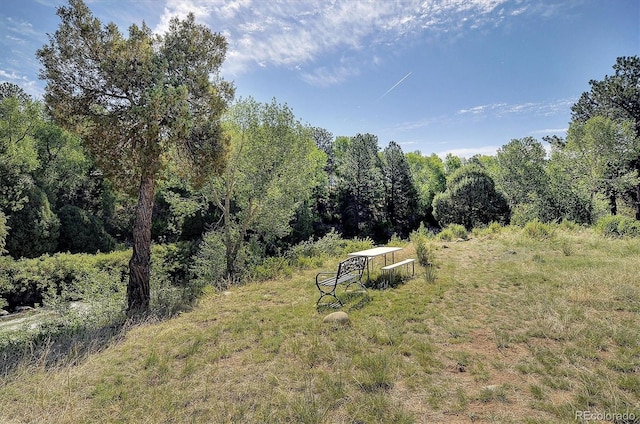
550,131
533,108
328,76
291,33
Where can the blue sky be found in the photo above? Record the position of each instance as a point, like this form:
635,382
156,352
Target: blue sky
438,76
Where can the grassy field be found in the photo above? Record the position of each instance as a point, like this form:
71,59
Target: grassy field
508,328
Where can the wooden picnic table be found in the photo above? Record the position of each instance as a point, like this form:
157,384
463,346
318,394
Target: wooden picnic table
371,254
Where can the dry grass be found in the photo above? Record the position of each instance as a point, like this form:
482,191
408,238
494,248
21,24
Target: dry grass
511,330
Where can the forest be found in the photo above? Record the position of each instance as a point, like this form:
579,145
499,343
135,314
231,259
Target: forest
139,142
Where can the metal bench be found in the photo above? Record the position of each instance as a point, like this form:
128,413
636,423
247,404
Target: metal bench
349,272
391,268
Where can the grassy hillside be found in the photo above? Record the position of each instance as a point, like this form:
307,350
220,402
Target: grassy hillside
515,328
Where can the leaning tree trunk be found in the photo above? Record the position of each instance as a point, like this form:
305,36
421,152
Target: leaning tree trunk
138,295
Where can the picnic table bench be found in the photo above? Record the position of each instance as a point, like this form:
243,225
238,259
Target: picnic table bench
349,272
391,268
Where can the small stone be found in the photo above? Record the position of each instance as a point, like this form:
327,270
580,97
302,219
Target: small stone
3,313
339,317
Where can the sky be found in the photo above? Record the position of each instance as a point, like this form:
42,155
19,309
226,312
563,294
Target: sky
436,76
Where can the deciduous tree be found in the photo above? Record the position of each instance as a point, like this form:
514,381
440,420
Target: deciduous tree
272,167
617,97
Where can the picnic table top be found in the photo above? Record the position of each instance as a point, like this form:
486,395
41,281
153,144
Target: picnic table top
376,251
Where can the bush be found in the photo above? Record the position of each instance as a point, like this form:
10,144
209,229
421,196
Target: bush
421,242
538,230
331,245
453,232
618,226
272,267
81,232
34,229
210,263
490,230
49,280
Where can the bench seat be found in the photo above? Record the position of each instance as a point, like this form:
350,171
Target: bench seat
391,268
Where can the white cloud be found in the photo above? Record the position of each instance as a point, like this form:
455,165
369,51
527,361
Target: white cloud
551,131
325,77
288,33
499,110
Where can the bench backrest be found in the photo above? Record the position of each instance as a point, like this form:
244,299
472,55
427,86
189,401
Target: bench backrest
354,265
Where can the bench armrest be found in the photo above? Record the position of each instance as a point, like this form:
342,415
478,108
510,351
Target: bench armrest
325,274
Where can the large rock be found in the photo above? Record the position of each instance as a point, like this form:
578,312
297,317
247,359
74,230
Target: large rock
339,317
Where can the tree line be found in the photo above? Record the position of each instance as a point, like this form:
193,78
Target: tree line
139,139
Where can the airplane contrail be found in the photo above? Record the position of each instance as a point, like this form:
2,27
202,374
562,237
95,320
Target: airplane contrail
396,84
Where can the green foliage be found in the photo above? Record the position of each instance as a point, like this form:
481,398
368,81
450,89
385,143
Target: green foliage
490,230
81,232
601,151
616,97
538,230
521,175
361,188
19,116
470,200
312,253
34,229
401,195
50,280
428,174
209,263
453,232
272,168
270,268
421,241
618,226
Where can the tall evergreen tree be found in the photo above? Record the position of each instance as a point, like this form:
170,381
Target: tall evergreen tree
136,101
401,195
361,186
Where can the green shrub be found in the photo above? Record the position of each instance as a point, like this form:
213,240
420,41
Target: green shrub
421,242
210,263
538,230
618,226
490,230
270,268
34,229
453,232
356,244
81,232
